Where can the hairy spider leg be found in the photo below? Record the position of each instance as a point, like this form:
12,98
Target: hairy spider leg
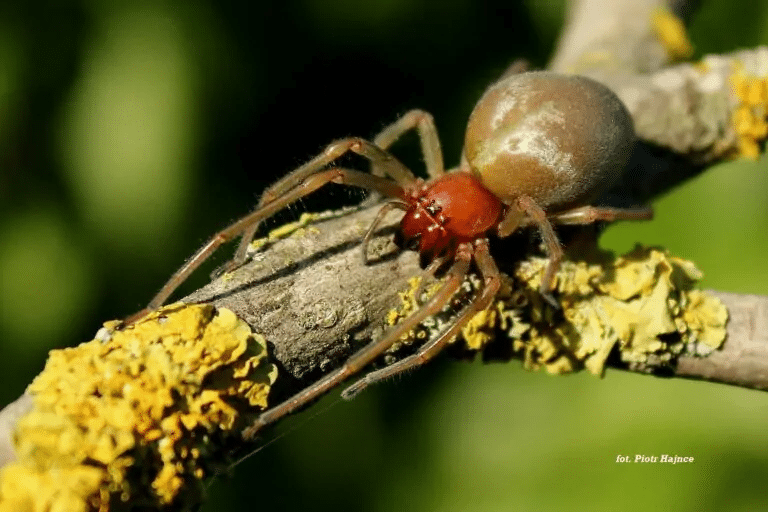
368,353
424,124
381,160
310,184
390,165
429,272
516,67
536,214
381,165
491,284
526,212
379,217
591,214
574,216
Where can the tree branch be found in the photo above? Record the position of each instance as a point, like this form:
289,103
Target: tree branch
314,301
743,359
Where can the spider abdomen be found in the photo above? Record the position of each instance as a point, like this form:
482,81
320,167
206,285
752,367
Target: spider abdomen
452,209
558,139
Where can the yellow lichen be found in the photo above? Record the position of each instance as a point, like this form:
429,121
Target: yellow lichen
671,32
477,332
705,319
146,401
641,305
286,230
750,116
410,301
292,227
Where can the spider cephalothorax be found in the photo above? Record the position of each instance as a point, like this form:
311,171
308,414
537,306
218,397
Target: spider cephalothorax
539,148
455,208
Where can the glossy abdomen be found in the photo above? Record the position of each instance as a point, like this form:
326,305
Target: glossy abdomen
560,139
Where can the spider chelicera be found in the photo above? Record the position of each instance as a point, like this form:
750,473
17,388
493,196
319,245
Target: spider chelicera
539,147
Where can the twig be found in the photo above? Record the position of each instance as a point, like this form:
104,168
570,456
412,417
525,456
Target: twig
315,301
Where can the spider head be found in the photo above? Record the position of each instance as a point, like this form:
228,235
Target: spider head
420,231
450,210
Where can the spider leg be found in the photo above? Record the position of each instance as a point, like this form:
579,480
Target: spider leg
538,216
491,284
424,123
379,217
383,164
382,161
365,355
590,214
517,66
513,218
307,186
534,214
429,271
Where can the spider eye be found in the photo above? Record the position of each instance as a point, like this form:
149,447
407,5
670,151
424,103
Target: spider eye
433,208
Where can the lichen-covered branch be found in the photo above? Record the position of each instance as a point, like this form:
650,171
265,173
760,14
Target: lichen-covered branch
742,359
702,111
136,417
687,114
140,417
620,38
167,396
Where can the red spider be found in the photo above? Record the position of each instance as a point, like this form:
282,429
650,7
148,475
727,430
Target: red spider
539,148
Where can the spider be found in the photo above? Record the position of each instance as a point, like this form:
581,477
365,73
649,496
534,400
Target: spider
539,147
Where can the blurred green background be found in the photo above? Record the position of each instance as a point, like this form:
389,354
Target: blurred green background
131,131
